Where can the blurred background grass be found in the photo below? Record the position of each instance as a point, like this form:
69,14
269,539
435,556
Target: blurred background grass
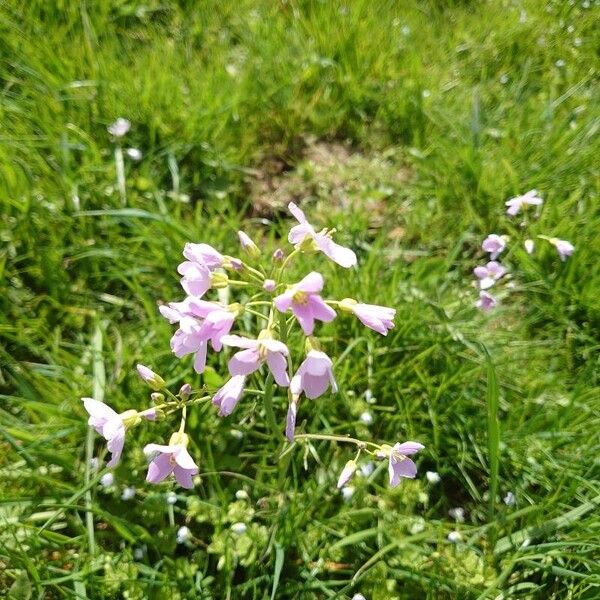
406,126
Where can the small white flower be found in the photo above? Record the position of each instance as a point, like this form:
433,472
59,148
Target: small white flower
239,528
405,30
509,499
577,42
560,63
458,514
454,536
417,526
358,597
426,93
119,128
241,495
171,498
347,492
134,153
138,553
366,418
94,464
128,493
504,79
183,535
432,477
367,468
107,480
529,246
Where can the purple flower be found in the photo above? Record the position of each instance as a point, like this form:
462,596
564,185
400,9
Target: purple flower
322,240
489,274
531,198
109,425
278,255
399,464
203,254
494,244
170,459
305,302
248,246
229,395
196,279
256,352
119,128
269,285
346,474
378,318
565,249
486,301
314,375
290,421
156,382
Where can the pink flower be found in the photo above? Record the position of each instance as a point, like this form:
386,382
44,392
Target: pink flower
248,246
346,474
305,302
494,244
486,301
290,421
322,240
565,249
156,382
196,279
255,353
229,395
378,318
170,459
517,203
489,274
109,425
203,254
314,376
399,464
269,285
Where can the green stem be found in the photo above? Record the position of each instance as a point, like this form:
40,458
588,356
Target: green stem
334,438
268,403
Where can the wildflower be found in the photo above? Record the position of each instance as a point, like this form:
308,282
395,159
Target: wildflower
241,495
269,285
203,254
173,458
171,498
454,536
107,480
458,514
229,395
518,203
366,418
489,274
565,249
306,303
196,280
94,463
358,597
134,153
494,244
239,528
399,463
185,391
367,468
346,474
300,234
432,477
509,499
347,492
290,421
377,318
314,375
110,425
248,246
149,414
278,255
255,353
119,128
486,301
128,493
529,246
138,553
183,535
156,382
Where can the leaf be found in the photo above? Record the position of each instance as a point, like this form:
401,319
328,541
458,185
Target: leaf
279,555
21,587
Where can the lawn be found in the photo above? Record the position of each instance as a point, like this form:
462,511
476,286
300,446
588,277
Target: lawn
406,126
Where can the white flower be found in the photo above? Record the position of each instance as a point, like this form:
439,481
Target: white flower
241,495
458,514
347,492
366,418
509,499
454,536
358,597
171,498
433,477
518,203
529,246
134,153
367,468
239,528
119,128
128,493
107,480
183,535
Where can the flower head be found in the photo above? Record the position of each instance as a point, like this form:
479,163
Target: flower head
489,274
565,249
529,246
321,241
306,303
486,301
255,352
399,464
134,153
248,246
494,244
229,395
119,128
377,318
531,198
174,459
204,254
156,382
314,376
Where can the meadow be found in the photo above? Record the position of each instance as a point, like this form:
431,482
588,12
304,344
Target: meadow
405,126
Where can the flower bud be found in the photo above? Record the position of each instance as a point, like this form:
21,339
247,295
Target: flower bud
185,391
347,304
248,246
156,382
157,397
150,414
269,285
130,418
239,528
346,473
219,280
278,255
178,439
311,343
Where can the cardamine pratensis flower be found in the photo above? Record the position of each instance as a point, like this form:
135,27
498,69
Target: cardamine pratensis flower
119,128
314,375
375,317
204,254
565,249
306,303
489,274
399,464
322,240
229,395
255,353
346,474
516,204
486,301
494,244
156,382
248,246
173,458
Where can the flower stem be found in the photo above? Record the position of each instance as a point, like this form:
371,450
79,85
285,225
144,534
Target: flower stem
334,438
268,403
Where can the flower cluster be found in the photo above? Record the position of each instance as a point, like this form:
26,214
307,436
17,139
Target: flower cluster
275,305
491,272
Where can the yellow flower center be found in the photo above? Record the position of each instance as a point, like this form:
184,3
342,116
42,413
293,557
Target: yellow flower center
300,298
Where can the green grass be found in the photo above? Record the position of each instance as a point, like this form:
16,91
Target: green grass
430,115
